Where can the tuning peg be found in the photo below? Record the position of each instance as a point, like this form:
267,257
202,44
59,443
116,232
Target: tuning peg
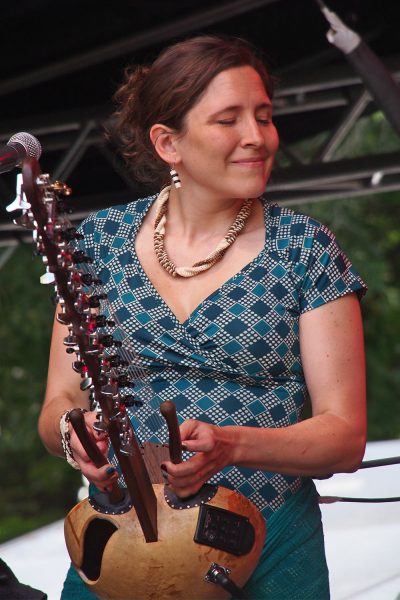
17,204
20,202
86,383
59,187
77,366
102,321
126,446
92,351
113,360
100,426
107,341
94,301
27,222
63,318
70,340
123,380
86,278
70,234
107,390
80,257
116,361
130,400
47,278
62,207
72,349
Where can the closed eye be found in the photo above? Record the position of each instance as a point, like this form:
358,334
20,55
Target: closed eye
227,121
233,121
264,121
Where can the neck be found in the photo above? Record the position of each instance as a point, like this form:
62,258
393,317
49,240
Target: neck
196,216
160,221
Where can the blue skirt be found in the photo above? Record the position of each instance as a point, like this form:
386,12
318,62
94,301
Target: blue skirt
292,564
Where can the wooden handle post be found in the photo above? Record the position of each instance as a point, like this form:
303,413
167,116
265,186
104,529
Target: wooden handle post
78,423
168,411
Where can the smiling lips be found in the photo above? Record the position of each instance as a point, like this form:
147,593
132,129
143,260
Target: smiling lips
254,161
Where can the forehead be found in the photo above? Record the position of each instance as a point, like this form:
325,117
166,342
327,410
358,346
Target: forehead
238,86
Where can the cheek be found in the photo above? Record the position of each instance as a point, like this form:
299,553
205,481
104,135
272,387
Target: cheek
197,147
273,140
222,146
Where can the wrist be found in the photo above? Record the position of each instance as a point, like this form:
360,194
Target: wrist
248,447
231,436
65,433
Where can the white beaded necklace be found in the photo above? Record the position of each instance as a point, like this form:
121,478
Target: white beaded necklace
161,206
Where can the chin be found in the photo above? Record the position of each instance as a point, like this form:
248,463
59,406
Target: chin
240,187
255,185
253,190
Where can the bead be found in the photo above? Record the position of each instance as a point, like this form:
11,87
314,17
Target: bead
212,258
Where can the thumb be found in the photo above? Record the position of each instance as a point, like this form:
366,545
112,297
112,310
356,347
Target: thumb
196,445
188,430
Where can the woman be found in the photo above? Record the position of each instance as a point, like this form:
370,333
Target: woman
239,340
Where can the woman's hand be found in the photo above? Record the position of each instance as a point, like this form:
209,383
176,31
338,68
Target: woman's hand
213,450
104,476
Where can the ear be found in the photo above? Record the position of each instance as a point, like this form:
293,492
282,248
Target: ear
163,140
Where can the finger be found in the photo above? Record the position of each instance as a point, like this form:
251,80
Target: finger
112,474
193,480
164,473
103,477
186,468
79,451
187,428
197,437
186,492
102,446
90,419
198,445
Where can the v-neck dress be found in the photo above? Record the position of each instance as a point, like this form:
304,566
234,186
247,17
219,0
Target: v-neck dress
236,359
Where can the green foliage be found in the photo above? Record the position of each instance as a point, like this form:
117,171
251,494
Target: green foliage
13,526
36,487
368,229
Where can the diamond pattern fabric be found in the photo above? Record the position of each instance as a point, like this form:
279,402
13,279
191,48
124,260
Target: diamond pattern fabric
236,359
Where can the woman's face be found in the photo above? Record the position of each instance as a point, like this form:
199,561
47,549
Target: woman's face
229,142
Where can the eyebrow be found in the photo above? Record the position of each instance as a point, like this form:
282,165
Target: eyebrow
236,107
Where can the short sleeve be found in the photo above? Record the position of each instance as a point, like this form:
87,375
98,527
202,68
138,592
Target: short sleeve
328,273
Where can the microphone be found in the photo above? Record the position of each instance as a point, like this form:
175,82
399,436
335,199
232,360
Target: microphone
19,146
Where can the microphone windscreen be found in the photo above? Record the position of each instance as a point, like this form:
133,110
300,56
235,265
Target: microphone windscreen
30,144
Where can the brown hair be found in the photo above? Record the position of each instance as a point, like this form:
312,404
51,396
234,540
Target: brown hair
167,90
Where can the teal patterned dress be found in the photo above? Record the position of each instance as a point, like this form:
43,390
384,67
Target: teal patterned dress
234,361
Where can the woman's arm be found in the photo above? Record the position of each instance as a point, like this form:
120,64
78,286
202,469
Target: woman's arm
63,393
332,440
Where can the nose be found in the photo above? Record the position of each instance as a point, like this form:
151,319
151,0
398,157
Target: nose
253,133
